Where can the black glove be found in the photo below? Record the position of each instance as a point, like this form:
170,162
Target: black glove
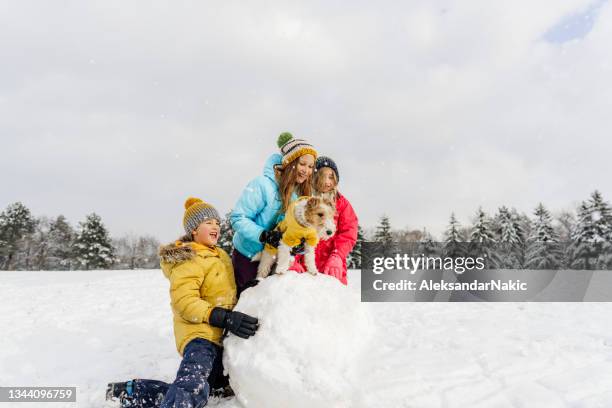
271,237
250,284
299,249
242,325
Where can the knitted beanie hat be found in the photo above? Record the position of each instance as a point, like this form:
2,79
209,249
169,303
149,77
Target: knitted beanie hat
292,148
324,161
196,212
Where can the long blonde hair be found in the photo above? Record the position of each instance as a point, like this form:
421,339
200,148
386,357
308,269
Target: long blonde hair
317,185
286,178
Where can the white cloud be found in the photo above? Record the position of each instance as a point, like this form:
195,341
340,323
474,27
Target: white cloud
127,108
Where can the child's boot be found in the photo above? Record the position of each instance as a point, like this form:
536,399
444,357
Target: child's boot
123,391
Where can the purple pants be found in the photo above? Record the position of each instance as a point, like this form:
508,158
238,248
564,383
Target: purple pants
245,271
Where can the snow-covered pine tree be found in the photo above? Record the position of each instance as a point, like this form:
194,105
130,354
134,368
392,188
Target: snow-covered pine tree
383,231
481,232
602,217
602,224
509,238
383,235
226,235
92,246
583,252
543,250
522,226
61,240
482,240
16,224
453,246
353,260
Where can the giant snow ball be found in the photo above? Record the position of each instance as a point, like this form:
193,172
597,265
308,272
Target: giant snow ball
306,353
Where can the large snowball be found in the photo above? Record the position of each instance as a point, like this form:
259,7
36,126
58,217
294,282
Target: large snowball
305,354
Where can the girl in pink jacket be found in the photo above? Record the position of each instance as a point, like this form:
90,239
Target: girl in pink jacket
331,254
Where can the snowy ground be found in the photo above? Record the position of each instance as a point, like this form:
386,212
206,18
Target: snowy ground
85,329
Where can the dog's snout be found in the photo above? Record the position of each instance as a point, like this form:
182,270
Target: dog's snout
329,232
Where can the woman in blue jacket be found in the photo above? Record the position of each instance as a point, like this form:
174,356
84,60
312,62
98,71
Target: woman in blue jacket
265,199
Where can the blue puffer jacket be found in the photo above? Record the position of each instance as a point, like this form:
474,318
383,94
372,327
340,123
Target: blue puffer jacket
257,209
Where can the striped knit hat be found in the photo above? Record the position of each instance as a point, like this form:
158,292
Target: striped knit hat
292,148
196,212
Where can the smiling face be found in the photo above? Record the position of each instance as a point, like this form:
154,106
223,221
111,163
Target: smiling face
325,180
207,232
304,168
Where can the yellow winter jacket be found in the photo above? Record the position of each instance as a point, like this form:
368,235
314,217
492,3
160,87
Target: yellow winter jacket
201,278
293,232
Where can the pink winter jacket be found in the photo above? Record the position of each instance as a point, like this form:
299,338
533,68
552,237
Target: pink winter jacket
341,243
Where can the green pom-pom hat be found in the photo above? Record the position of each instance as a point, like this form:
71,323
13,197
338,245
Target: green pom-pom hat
292,149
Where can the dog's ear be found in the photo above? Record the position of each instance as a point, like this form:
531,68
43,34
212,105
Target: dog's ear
330,203
312,203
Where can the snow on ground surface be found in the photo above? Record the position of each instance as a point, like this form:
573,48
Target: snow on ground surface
85,329
312,336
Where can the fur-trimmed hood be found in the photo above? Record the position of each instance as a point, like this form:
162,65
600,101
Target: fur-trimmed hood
172,253
184,249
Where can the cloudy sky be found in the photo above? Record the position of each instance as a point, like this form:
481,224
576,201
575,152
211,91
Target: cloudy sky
126,108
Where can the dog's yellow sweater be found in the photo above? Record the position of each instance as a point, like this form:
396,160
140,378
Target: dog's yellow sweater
293,232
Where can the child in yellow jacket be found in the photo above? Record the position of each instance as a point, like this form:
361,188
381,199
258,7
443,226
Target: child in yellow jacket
202,296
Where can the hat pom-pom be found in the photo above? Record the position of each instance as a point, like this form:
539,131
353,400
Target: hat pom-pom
283,139
191,201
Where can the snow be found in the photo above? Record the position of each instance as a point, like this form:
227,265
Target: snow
307,347
85,329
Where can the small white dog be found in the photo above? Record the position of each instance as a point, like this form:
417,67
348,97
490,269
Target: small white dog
308,218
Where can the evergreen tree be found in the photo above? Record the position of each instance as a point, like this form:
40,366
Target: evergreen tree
601,217
453,246
383,231
523,226
583,250
510,238
384,236
602,225
543,250
481,232
226,235
16,224
92,246
61,241
354,259
482,241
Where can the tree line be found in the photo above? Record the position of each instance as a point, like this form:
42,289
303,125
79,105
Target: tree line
42,243
510,240
513,240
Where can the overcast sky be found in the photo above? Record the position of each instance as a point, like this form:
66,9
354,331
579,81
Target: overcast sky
126,108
